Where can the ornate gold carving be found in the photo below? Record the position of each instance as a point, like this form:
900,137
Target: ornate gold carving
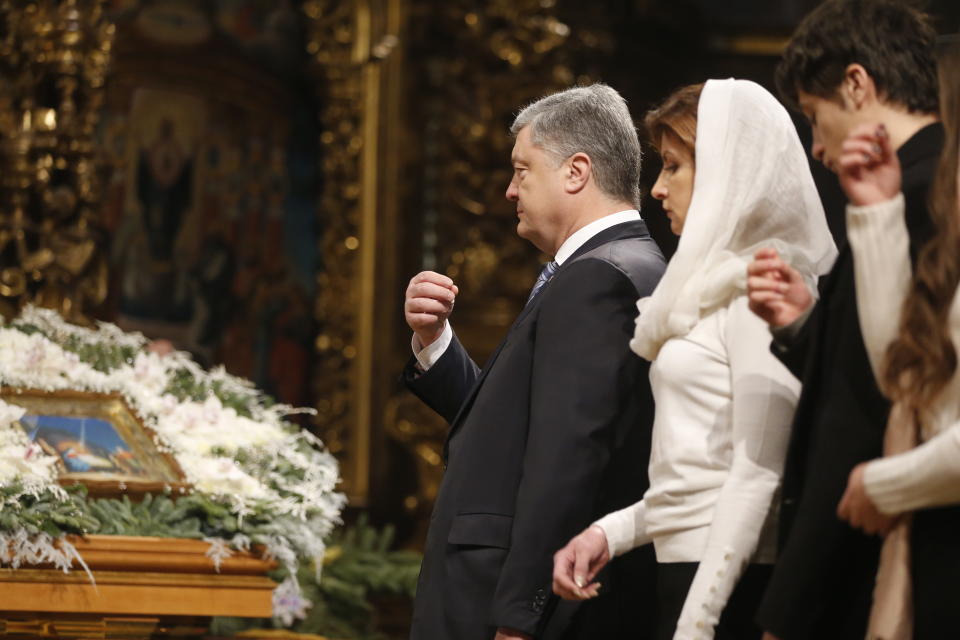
55,57
350,41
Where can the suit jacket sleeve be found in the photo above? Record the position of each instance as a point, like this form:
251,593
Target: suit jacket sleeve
582,375
445,385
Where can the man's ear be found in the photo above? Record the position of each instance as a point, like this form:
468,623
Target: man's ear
579,170
858,89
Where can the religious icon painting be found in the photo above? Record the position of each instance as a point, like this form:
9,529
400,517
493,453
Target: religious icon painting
97,441
208,149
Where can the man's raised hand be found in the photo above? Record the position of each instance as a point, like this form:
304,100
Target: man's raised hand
429,301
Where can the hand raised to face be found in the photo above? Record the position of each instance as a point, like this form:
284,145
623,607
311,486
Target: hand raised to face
868,167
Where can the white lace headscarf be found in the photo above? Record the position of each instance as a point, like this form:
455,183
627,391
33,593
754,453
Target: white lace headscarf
752,188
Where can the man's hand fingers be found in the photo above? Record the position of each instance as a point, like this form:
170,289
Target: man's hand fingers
426,305
430,290
422,321
432,277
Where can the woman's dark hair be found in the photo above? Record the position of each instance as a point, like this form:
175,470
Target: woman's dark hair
677,115
922,359
893,41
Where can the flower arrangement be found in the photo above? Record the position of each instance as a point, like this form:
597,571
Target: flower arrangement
255,477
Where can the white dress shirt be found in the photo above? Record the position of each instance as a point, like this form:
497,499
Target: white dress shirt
428,356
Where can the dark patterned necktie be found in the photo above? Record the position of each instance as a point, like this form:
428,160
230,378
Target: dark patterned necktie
545,274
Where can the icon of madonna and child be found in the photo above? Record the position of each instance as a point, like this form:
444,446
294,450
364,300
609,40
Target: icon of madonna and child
84,444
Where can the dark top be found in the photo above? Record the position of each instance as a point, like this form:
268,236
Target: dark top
823,581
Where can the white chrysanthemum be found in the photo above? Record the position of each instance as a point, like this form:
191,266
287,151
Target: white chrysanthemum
21,459
221,476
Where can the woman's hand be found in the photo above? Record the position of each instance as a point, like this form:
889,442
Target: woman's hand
858,509
868,167
776,291
575,566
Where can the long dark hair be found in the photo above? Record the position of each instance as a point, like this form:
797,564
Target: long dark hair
922,359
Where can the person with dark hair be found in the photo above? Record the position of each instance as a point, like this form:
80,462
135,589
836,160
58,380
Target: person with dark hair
915,360
850,62
891,40
734,178
548,436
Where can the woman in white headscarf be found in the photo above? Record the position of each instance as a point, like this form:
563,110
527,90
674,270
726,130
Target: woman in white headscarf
735,178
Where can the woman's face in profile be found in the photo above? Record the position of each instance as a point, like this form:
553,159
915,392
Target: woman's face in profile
674,185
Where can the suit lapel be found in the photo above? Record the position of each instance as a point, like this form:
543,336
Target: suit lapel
465,407
621,231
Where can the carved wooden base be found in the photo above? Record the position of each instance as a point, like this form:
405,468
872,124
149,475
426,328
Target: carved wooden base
97,627
144,588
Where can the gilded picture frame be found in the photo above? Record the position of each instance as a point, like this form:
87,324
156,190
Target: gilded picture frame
98,441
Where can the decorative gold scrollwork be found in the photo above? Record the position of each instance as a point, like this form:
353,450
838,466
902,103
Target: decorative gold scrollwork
55,57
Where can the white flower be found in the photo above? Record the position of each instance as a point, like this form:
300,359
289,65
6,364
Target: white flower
221,477
218,551
21,459
150,373
243,461
10,414
288,603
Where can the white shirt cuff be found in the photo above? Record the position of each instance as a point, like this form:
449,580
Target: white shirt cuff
428,356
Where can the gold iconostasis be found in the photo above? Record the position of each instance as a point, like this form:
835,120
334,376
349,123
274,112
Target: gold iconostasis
255,181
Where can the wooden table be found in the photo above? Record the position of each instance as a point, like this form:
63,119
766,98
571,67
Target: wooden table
145,587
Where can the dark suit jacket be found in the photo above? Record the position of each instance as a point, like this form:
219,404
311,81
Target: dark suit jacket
553,433
823,581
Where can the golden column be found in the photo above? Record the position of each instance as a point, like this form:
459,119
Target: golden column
53,60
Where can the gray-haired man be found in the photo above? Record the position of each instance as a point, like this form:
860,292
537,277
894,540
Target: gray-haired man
554,431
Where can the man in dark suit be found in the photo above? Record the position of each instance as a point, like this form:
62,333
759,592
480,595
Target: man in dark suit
554,431
850,62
